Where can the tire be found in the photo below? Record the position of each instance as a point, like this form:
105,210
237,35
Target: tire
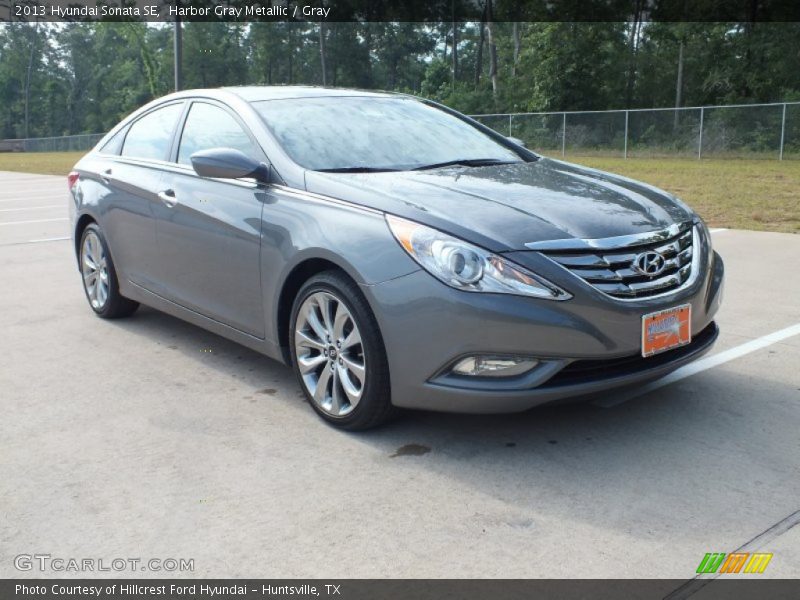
99,276
329,354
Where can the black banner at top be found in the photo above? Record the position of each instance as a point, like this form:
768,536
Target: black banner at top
433,11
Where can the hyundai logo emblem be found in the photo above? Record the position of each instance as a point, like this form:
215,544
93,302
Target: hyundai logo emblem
649,263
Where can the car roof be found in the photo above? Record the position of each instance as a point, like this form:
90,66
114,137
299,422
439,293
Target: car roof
256,93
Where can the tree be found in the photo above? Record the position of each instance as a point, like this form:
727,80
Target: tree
84,77
322,53
492,48
214,54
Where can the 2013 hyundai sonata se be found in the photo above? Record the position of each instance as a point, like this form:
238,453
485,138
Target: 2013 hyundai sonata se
395,252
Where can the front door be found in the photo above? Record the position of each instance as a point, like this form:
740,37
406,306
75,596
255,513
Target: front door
209,230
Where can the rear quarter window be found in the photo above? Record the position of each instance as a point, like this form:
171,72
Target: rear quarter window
150,135
114,144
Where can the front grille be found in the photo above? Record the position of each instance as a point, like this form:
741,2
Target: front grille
610,268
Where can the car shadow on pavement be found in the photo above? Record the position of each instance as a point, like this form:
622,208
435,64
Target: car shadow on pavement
698,448
255,373
630,468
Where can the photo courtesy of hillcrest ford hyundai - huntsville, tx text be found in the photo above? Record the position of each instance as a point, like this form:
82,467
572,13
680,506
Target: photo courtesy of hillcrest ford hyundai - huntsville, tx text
396,253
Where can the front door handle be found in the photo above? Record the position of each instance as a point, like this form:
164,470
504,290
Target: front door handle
106,176
168,197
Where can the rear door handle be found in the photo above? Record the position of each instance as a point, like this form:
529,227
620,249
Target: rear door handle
168,197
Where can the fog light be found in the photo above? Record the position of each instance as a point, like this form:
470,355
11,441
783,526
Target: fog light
494,366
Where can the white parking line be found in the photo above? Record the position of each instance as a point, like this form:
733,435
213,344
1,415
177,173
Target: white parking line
53,239
42,179
6,187
35,182
36,221
32,208
29,196
32,180
33,189
704,364
35,198
38,241
26,191
718,229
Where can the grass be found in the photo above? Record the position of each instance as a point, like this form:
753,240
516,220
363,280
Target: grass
44,163
741,194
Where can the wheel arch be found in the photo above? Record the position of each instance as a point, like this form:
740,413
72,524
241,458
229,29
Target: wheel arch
297,276
80,225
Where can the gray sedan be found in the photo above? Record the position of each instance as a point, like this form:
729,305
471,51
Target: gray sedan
396,253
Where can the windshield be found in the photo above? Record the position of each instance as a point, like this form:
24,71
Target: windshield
368,133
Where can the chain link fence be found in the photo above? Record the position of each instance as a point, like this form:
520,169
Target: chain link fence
735,131
64,143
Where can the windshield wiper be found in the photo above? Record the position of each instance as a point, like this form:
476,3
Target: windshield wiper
357,170
467,162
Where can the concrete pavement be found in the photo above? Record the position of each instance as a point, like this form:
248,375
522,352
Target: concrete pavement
151,438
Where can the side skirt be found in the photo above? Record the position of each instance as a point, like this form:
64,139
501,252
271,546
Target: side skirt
148,298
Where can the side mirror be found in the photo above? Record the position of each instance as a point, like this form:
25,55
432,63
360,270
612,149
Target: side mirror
516,141
228,163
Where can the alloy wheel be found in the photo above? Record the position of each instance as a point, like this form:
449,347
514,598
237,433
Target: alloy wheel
94,268
329,353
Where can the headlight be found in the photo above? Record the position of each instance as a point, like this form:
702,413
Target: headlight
706,233
466,267
703,235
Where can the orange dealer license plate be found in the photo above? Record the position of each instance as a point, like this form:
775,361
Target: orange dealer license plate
666,329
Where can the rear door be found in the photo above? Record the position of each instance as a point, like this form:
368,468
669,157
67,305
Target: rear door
130,173
209,230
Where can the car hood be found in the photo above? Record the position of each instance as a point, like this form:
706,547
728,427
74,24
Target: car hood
503,207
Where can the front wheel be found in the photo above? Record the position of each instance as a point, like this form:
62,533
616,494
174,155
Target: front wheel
100,277
338,353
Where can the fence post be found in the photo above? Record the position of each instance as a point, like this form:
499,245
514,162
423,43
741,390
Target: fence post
509,124
625,149
783,130
700,137
564,134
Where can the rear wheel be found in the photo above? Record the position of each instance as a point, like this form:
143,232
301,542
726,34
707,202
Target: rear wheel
100,277
338,353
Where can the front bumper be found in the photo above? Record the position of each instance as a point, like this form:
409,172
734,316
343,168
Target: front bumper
585,345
